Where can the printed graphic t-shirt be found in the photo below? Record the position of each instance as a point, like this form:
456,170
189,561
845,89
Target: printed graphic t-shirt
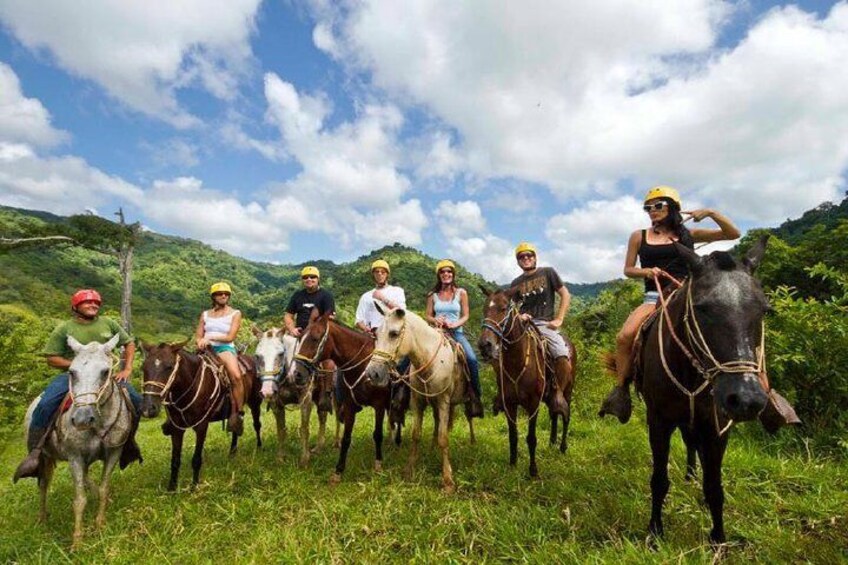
302,303
537,292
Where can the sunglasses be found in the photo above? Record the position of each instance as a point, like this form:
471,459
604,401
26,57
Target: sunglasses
522,256
446,271
655,207
309,277
220,294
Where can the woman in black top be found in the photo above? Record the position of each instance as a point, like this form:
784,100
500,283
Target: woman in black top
656,252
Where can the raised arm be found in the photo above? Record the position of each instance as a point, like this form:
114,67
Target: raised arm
727,230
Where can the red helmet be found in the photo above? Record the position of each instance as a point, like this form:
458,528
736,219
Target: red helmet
85,295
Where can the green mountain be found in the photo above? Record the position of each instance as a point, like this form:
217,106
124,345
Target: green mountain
171,277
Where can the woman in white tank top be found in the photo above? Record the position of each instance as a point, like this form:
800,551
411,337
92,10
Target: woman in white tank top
217,329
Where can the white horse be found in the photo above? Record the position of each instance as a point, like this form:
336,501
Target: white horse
437,378
95,428
274,355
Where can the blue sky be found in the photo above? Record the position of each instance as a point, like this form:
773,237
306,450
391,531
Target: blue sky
289,131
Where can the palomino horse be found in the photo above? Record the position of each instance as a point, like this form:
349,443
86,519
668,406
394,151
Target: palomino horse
326,339
274,354
95,428
194,393
699,369
517,353
438,378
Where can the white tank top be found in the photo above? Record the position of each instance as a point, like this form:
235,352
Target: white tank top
220,325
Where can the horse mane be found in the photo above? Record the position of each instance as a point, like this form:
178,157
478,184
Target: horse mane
346,327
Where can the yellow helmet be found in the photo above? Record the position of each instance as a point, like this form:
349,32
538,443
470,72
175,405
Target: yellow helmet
662,191
524,247
309,270
220,287
445,263
380,264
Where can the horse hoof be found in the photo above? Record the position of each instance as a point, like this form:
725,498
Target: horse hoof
378,466
335,479
42,518
303,463
449,488
407,474
100,522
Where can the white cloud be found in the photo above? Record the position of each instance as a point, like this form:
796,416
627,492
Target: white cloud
142,53
350,181
22,119
584,96
62,185
464,228
221,220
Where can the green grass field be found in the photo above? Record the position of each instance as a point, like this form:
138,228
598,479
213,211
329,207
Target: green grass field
590,505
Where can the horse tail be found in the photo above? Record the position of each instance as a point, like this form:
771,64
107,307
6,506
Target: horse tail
610,366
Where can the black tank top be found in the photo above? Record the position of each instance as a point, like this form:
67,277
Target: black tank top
665,257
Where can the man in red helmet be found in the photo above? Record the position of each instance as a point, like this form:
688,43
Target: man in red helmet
85,326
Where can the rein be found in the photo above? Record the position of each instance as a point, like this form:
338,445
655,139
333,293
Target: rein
696,338
390,359
98,395
532,346
197,383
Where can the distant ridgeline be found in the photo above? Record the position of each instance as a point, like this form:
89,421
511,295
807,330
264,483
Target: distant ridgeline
171,277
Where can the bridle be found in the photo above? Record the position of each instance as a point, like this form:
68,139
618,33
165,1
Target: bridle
502,330
98,395
704,361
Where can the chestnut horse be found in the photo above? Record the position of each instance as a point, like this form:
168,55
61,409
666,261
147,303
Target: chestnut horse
699,369
517,353
194,394
324,339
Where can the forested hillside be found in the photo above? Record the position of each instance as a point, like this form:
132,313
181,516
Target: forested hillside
805,273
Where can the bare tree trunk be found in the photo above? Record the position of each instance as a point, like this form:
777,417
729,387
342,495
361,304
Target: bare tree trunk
125,264
125,261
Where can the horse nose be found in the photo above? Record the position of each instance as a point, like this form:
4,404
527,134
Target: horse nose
83,417
744,399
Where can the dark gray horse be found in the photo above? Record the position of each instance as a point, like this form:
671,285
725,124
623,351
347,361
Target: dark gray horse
699,370
95,428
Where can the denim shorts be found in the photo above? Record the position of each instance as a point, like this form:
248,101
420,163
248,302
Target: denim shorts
651,297
225,347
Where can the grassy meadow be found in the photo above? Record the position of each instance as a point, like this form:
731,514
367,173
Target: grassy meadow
590,505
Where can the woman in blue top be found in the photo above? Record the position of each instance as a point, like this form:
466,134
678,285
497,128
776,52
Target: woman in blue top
217,329
447,309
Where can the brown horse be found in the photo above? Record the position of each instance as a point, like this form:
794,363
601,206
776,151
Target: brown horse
517,353
699,369
325,339
194,394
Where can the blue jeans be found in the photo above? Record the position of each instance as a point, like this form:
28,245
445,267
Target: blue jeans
56,390
471,358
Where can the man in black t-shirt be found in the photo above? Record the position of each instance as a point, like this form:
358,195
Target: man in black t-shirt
536,289
296,319
304,300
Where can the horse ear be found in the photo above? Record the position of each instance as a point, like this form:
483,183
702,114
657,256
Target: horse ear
255,330
512,293
693,260
485,291
400,312
146,347
313,315
74,344
379,309
174,347
110,345
754,257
